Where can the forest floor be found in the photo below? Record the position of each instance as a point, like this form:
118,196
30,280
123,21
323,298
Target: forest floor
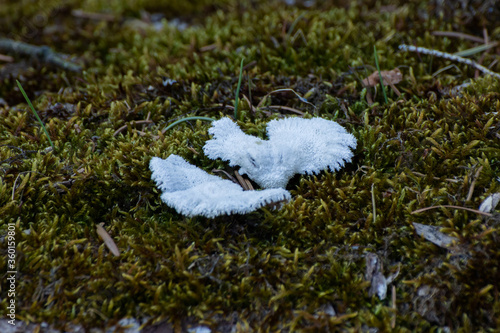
404,238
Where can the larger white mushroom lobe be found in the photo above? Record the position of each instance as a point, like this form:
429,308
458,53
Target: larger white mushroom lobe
295,146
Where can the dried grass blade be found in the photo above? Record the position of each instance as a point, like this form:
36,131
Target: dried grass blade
457,35
241,181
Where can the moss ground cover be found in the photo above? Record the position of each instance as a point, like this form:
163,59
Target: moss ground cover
302,267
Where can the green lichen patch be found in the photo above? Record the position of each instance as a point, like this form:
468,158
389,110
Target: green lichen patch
300,267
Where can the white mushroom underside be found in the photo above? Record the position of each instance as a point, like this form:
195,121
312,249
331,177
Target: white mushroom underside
191,191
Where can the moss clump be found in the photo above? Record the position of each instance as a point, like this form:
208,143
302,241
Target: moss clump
300,268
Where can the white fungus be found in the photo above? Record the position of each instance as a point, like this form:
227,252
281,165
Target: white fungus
191,191
295,146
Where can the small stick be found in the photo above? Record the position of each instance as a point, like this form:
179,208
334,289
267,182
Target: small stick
302,99
287,108
249,184
249,104
241,181
15,182
193,150
14,187
473,184
436,178
224,106
133,123
393,320
227,174
452,57
451,206
42,53
207,48
486,37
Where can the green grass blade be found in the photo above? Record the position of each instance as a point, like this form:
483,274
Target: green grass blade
249,80
236,115
379,74
36,114
474,50
186,119
292,27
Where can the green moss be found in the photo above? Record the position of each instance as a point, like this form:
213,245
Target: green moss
272,269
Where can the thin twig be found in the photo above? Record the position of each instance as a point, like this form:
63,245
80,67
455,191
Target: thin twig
42,53
302,99
249,65
227,174
436,178
249,104
485,36
451,206
15,182
287,108
224,106
118,131
193,150
14,187
473,184
394,308
423,50
207,48
241,181
249,184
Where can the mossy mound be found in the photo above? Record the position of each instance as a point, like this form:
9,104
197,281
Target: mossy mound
298,268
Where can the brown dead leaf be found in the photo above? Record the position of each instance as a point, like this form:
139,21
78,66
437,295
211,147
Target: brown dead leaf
389,78
108,241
